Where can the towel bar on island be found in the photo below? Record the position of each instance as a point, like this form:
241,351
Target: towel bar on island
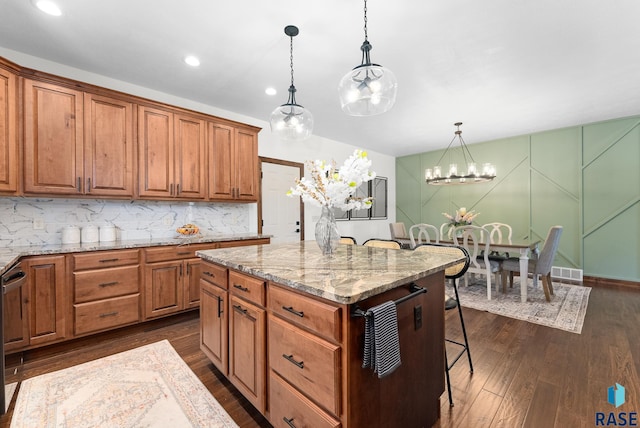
415,291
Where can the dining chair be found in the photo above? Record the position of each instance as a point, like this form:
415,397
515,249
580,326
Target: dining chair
453,273
499,233
539,264
475,240
348,240
423,233
445,231
382,243
399,233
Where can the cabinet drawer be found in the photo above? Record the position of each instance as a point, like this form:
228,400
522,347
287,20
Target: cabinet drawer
321,318
247,287
287,404
307,362
214,274
103,283
176,252
102,259
105,314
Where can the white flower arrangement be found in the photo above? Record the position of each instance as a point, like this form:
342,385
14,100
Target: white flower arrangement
462,217
334,187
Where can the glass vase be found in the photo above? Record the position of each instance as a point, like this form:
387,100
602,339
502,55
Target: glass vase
327,231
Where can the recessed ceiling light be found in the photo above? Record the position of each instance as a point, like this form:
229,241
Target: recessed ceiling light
48,7
192,61
270,91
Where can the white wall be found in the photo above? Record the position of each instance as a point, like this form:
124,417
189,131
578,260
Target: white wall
268,146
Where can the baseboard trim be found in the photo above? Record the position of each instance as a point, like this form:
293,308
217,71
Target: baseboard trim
594,281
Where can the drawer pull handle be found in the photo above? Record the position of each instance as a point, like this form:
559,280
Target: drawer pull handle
293,311
109,314
288,421
239,309
241,288
207,273
108,284
289,358
109,260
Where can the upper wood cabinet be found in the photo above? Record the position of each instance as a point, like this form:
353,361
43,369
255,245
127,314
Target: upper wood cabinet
109,146
77,143
8,132
53,146
233,163
172,157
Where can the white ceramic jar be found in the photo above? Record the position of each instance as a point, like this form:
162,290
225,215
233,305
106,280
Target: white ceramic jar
107,233
71,235
90,234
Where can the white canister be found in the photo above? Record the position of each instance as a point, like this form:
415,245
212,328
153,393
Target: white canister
90,234
107,233
71,235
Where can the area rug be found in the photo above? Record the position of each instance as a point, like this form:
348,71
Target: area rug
150,386
566,311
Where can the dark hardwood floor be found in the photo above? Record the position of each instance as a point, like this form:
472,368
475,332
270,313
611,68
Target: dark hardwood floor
525,375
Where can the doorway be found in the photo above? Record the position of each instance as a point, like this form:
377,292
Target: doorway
280,216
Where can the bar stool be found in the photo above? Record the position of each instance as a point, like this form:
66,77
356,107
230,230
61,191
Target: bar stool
452,273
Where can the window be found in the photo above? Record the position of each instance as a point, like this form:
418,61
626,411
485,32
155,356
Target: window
376,189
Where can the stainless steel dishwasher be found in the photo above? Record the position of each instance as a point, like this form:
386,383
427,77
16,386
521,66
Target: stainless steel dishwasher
11,280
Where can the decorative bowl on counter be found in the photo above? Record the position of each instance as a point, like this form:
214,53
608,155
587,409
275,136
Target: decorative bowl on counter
188,229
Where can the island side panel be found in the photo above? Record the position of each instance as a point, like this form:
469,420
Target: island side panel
410,396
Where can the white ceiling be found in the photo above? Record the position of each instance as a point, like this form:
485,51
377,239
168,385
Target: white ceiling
503,67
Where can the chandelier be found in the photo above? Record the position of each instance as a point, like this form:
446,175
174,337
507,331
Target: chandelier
291,121
469,176
368,89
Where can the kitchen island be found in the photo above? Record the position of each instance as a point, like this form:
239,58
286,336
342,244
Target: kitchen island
285,325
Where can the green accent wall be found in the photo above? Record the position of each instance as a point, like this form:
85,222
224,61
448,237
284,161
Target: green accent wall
585,178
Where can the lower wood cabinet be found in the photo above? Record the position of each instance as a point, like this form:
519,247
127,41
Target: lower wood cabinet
214,325
36,313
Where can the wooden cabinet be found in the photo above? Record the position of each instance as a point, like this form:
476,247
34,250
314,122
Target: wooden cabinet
172,158
106,290
8,132
172,279
109,147
76,143
53,139
214,318
46,291
233,161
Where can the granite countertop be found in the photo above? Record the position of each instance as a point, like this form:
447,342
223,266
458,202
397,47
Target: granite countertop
353,273
9,255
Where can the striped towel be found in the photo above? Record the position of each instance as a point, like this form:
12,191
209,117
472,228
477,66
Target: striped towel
381,340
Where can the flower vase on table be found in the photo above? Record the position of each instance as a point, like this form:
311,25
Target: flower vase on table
327,235
330,187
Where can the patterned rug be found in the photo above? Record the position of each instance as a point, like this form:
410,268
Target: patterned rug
566,310
150,386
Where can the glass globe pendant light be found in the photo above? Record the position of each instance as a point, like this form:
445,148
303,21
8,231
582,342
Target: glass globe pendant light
368,89
291,121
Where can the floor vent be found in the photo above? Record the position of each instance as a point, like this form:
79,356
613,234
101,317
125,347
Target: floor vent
566,273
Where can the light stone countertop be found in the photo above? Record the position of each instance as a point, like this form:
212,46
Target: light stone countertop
9,255
352,274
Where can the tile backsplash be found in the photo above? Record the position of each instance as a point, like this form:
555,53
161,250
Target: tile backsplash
39,221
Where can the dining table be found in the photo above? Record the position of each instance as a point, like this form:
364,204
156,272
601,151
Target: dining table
523,248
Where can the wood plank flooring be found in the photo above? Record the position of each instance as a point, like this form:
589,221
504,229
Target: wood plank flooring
525,375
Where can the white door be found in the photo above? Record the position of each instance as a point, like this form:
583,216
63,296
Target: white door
280,213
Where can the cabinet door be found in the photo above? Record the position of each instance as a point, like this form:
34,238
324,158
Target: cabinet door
155,152
190,158
221,158
247,349
163,288
246,163
16,321
47,305
109,146
214,324
8,134
192,283
52,139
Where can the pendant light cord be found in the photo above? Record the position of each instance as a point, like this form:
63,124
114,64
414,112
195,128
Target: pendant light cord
291,58
365,21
